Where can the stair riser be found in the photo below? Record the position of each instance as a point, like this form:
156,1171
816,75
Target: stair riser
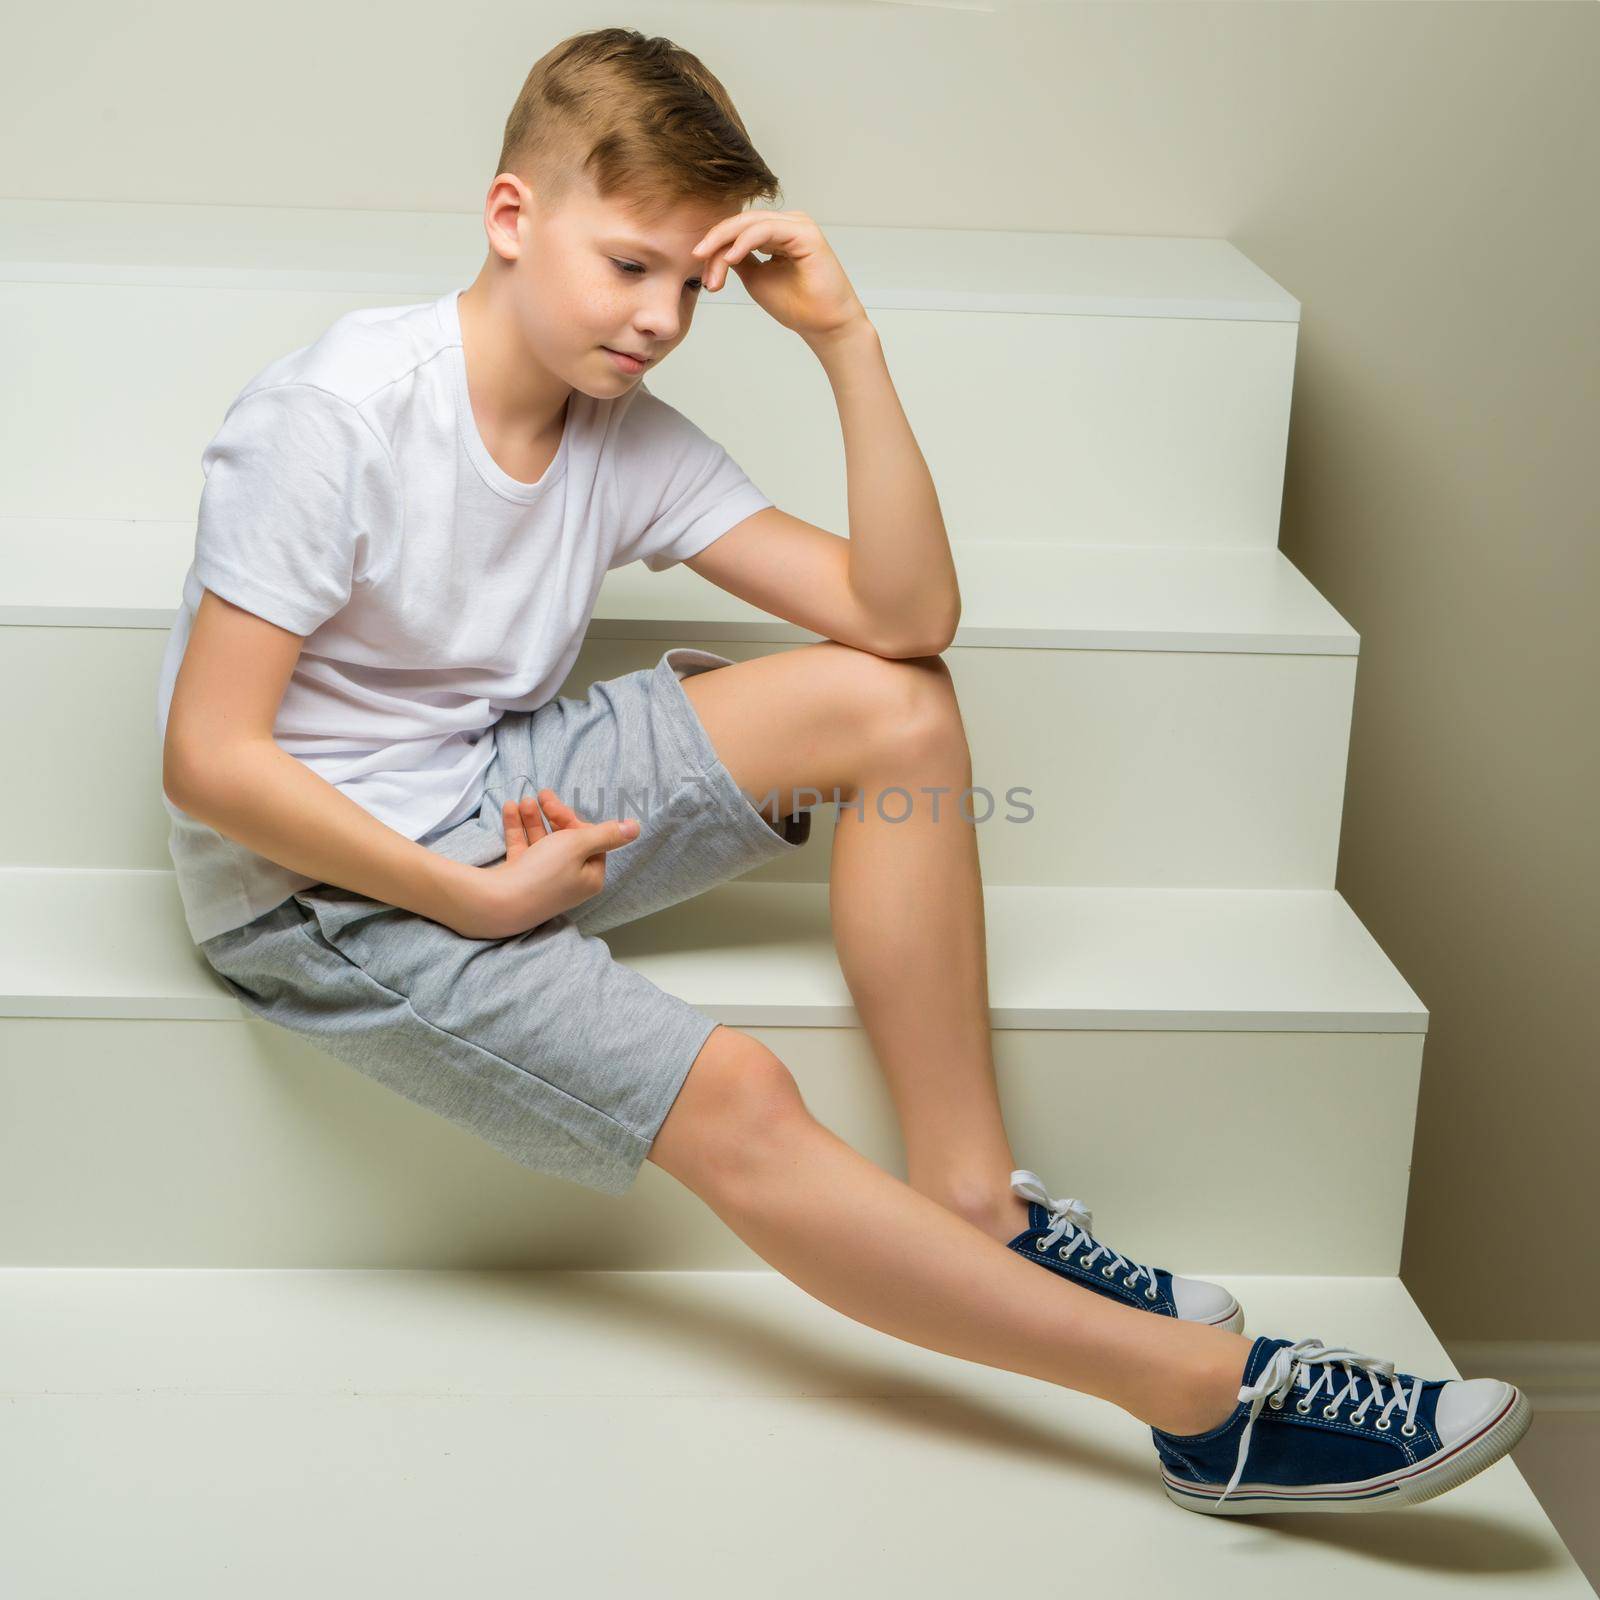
1145,430
160,1143
1157,768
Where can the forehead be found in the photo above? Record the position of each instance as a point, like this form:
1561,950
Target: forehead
674,230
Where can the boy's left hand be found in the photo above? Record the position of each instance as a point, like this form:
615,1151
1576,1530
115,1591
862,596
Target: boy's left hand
802,285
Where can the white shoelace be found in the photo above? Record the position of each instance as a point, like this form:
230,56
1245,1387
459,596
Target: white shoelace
1073,1219
1278,1378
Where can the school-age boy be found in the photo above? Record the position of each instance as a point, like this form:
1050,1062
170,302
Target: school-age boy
375,789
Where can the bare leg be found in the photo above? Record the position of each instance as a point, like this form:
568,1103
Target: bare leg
858,1239
907,907
905,896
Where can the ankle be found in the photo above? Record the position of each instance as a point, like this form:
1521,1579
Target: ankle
996,1209
1208,1392
1002,1217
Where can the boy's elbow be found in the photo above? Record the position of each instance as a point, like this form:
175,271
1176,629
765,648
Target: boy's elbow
177,775
936,638
184,770
903,648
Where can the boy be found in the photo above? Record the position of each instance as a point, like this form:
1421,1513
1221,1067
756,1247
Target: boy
369,773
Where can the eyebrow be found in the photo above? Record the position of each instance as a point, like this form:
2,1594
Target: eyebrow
637,247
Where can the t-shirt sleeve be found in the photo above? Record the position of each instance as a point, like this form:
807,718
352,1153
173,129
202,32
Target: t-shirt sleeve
677,488
297,488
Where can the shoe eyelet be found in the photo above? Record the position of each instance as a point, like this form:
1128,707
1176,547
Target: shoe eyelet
1358,1417
1382,1425
1128,1283
1330,1411
1150,1294
1302,1406
1276,1403
1039,1244
1108,1272
1408,1428
1064,1250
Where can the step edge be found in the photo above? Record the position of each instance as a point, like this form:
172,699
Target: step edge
248,244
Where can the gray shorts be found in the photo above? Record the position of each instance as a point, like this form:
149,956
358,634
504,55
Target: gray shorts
541,1043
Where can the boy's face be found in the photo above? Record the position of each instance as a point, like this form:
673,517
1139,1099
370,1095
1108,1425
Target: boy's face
591,277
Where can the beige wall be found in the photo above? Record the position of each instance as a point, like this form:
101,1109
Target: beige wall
1441,494
1420,176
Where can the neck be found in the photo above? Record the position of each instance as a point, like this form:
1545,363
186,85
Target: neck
511,391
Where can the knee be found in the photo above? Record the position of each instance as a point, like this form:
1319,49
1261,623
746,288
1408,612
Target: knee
893,700
733,1112
917,710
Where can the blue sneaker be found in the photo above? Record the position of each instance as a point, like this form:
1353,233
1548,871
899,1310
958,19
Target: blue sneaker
1058,1236
1399,1439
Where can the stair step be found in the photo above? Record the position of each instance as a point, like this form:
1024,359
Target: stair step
90,942
1172,429
407,252
1090,768
1199,723
1025,595
413,1432
1016,594
1240,1039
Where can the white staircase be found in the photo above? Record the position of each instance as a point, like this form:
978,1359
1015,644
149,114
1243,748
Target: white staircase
1192,1029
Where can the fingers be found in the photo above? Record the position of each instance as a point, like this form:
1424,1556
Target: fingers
722,233
752,237
605,835
538,817
737,235
511,820
559,812
557,809
608,835
523,823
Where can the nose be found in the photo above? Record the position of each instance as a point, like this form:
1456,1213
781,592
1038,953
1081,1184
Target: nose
659,322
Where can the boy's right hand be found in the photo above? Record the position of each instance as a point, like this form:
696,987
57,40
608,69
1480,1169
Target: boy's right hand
543,874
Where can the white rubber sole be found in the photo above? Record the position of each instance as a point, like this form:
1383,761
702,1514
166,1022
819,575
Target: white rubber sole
1405,1487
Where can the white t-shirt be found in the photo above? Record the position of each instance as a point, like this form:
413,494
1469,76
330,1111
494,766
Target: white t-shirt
350,498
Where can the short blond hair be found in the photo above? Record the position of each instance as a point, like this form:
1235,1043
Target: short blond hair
644,119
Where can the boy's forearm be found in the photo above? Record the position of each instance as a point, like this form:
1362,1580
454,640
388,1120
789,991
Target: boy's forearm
900,563
275,805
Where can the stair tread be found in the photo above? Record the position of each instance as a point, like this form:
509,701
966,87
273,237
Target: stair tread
1015,593
412,1429
424,253
98,942
1029,594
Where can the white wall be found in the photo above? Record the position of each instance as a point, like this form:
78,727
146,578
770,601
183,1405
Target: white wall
1420,176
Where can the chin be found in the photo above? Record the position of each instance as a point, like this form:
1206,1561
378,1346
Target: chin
596,388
